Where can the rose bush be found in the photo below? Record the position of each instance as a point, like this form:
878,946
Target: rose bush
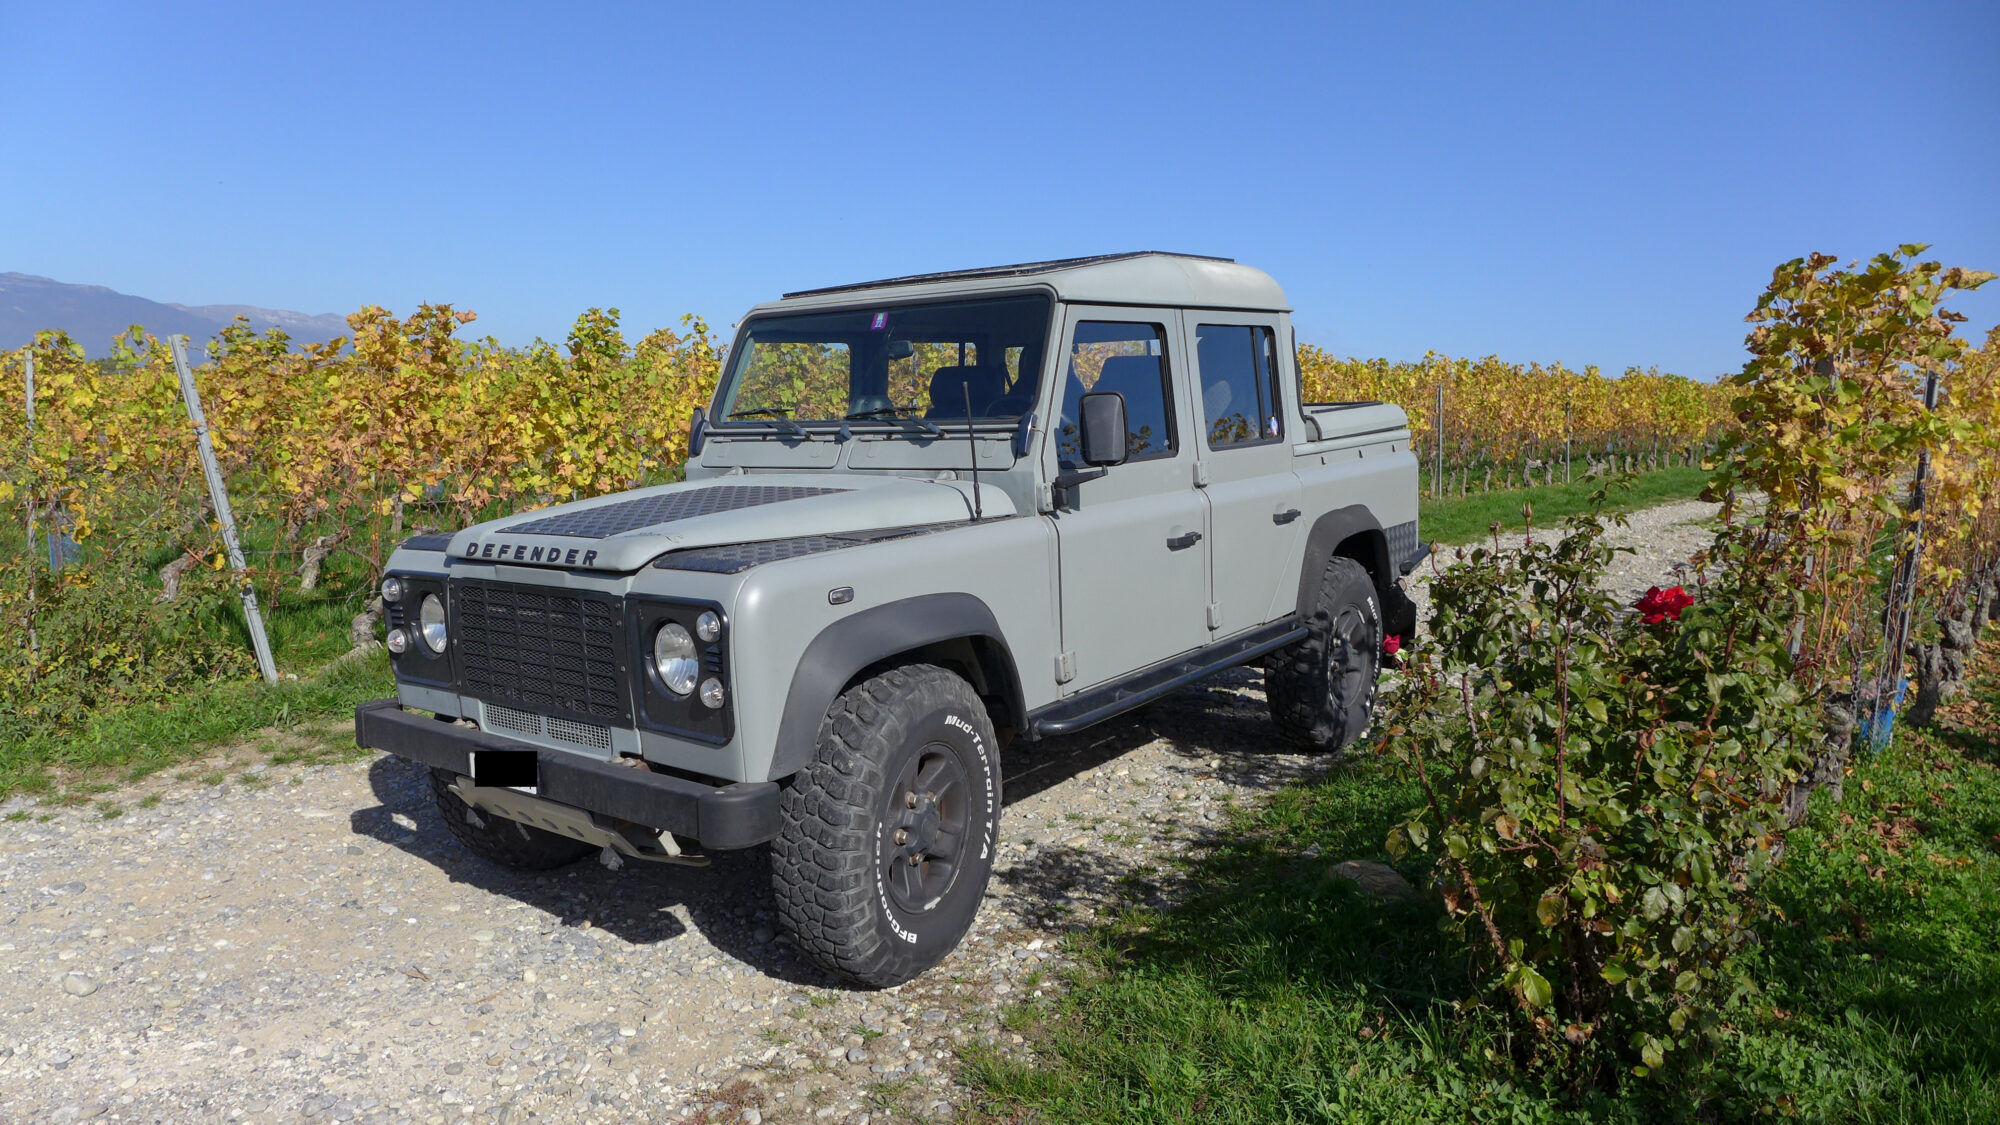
1602,787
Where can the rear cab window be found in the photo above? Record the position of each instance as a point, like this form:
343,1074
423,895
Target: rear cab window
1238,368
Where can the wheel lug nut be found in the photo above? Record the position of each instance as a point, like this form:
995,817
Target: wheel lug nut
902,835
910,800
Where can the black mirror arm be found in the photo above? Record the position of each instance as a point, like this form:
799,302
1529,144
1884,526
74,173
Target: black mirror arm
1065,485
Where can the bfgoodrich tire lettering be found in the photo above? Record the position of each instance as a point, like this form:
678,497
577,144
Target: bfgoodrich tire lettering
1322,689
496,839
886,839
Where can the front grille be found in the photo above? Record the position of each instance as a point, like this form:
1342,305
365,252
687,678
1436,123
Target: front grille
583,734
508,719
521,722
544,651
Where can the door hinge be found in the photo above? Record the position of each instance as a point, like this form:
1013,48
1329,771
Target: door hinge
1045,498
1215,615
1065,667
1201,474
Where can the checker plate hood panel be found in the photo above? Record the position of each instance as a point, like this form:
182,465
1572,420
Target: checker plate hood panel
624,532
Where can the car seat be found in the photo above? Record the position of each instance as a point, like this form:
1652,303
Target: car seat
950,386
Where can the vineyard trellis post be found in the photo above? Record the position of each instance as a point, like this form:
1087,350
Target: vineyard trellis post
28,490
1566,440
220,496
28,375
1437,436
1902,603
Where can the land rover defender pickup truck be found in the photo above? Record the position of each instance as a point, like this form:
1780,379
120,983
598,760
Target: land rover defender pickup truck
924,519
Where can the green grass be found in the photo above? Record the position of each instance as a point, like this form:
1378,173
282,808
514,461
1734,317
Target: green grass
129,742
1275,993
1468,518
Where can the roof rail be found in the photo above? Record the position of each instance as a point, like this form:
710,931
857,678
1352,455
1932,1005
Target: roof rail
1021,269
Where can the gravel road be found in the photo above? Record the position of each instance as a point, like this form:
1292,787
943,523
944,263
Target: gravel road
1660,541
307,943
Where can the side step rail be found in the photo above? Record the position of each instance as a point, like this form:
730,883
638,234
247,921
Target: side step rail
1142,687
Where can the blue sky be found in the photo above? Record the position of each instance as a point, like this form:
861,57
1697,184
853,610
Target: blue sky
1594,183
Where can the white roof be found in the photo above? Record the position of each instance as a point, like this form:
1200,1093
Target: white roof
1145,278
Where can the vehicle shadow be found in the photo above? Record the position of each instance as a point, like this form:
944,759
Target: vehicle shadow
729,902
1217,727
1213,728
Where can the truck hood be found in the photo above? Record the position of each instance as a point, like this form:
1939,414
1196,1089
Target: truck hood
625,532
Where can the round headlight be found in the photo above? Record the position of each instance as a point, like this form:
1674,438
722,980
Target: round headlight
708,626
430,622
392,589
711,693
399,641
673,658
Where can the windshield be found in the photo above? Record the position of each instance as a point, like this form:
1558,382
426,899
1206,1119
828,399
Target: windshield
931,362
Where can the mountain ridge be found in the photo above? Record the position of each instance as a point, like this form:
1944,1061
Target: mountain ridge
94,315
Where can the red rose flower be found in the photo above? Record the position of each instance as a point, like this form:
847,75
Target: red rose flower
1662,605
1392,644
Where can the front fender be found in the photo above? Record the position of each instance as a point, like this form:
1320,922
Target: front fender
844,648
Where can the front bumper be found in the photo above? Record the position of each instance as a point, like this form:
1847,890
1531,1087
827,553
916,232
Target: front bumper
737,815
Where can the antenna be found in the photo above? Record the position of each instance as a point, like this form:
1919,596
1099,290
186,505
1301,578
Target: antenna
972,444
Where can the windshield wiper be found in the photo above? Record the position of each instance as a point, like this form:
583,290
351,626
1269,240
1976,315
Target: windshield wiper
900,414
880,411
776,414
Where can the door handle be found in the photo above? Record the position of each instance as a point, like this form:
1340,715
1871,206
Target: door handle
1183,542
1286,516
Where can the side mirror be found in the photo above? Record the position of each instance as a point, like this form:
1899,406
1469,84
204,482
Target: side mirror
1101,418
697,432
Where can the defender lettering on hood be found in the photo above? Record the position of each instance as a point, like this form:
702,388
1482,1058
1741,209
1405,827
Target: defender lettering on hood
544,554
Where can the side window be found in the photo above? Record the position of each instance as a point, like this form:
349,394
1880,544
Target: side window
1239,383
1132,360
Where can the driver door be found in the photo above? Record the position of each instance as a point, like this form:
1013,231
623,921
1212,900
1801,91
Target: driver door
1134,572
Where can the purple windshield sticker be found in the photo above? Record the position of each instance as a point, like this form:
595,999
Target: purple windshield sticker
880,322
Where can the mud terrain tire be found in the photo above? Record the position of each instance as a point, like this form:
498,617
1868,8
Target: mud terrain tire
496,839
1322,689
907,767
